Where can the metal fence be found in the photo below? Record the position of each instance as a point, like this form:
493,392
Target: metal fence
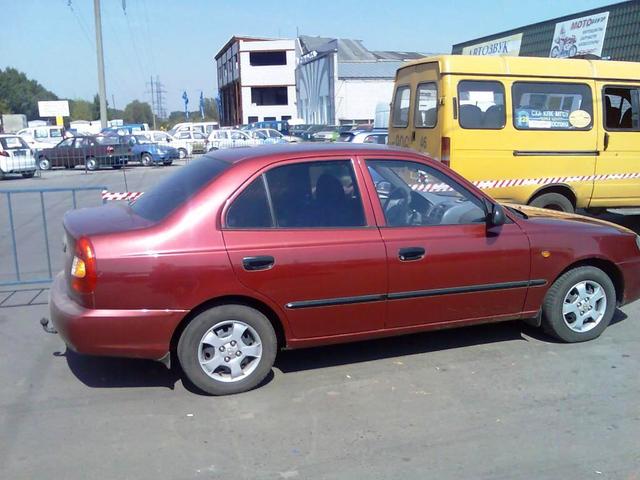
29,217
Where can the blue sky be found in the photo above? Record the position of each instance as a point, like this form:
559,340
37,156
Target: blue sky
177,39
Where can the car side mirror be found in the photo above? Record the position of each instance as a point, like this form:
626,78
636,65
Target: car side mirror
495,215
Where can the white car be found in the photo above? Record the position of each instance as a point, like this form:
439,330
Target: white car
270,135
16,157
197,140
229,138
42,137
184,147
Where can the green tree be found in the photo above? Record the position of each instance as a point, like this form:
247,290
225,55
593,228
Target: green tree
211,110
20,94
4,107
138,112
81,110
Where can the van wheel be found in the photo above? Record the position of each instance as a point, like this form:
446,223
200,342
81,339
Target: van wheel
227,349
579,305
553,201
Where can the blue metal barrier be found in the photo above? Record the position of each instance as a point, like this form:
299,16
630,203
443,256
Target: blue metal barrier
9,193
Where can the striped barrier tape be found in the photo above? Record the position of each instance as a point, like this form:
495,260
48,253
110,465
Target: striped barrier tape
129,196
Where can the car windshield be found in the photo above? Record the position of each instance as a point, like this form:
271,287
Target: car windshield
175,190
12,143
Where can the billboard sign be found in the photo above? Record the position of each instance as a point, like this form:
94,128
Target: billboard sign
579,36
500,46
57,108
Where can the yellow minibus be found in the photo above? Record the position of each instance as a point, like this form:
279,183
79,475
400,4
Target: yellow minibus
553,133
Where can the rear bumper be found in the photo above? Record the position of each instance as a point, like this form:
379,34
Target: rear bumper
119,333
631,276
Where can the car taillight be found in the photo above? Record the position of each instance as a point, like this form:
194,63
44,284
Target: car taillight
83,267
445,151
110,149
3,153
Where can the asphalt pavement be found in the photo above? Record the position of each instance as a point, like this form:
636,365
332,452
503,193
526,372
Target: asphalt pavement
499,401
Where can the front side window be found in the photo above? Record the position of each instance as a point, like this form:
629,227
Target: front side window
481,104
401,102
426,110
302,195
552,106
413,194
622,108
41,133
66,143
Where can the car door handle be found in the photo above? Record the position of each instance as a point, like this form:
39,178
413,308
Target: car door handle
409,254
264,262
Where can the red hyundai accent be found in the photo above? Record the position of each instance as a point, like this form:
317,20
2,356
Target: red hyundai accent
246,251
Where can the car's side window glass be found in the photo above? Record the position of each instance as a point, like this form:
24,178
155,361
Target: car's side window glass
622,108
426,109
481,104
251,209
401,101
414,194
552,106
315,195
66,143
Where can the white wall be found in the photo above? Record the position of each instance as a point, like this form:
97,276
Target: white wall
357,99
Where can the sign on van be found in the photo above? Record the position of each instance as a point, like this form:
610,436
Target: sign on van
500,46
579,36
53,108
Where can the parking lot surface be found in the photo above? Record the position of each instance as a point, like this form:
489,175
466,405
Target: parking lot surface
498,401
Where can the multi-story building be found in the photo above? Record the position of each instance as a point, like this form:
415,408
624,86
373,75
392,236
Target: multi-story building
339,81
610,32
256,80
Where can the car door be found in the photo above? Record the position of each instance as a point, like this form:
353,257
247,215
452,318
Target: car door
299,234
444,263
618,167
81,149
61,152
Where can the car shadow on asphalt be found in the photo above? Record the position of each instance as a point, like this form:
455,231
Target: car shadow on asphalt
106,372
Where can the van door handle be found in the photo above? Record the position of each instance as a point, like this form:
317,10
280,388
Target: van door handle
606,140
409,254
252,264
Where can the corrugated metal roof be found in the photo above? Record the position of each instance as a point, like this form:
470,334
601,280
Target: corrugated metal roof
373,69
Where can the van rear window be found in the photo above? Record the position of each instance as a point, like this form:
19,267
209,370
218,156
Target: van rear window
426,111
401,102
178,188
481,104
552,106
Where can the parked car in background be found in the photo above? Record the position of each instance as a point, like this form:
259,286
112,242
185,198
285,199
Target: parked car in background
16,157
379,136
329,133
281,125
91,152
148,152
202,127
299,129
183,146
198,141
126,129
269,135
243,252
229,138
42,137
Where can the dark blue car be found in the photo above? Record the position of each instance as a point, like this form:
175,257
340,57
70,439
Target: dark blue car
147,152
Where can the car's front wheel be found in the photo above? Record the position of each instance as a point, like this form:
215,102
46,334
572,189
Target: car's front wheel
146,159
579,305
227,349
44,163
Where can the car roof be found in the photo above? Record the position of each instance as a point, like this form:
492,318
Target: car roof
269,152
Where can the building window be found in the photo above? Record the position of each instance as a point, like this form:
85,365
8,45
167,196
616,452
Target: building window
481,104
252,119
552,106
269,95
261,59
269,119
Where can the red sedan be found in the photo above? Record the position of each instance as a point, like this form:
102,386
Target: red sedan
247,251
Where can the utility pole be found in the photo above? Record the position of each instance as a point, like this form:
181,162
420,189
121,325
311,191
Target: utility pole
153,103
102,91
160,91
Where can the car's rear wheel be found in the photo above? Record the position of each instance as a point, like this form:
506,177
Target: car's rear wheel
579,305
227,349
146,159
91,164
553,201
44,163
182,153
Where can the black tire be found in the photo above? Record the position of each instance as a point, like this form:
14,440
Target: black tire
146,160
91,164
189,344
553,321
116,167
553,201
166,164
29,174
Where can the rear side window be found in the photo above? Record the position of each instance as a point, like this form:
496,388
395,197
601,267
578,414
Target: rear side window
401,102
481,104
622,108
251,209
12,143
552,106
426,110
177,188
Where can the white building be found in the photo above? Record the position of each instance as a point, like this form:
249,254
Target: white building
256,80
339,81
